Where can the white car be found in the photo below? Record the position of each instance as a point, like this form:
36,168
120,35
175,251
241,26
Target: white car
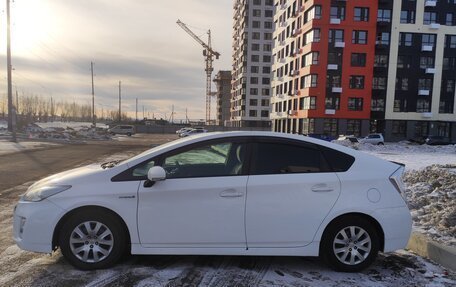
122,130
179,131
375,139
192,132
235,193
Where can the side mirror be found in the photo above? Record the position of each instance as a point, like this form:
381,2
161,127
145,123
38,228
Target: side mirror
156,173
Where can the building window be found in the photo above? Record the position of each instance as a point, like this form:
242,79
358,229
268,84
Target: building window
332,103
255,47
265,92
268,36
426,62
428,39
449,63
252,113
256,36
266,70
265,81
423,106
403,62
449,86
379,83
399,128
311,36
268,13
330,127
267,47
421,129
308,103
450,41
312,13
381,61
425,84
254,80
254,69
446,106
449,19
256,24
384,15
406,39
358,59
429,18
338,12
400,105
265,114
359,37
254,91
264,103
383,38
354,127
378,105
268,25
309,81
311,58
257,2
266,59
256,13
336,35
355,104
253,102
333,81
356,82
407,16
361,14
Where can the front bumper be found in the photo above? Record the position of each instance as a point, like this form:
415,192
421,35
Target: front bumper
34,224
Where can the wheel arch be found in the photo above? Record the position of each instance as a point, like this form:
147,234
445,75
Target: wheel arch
66,216
371,219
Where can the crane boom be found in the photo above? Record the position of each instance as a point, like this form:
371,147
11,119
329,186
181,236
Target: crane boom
209,54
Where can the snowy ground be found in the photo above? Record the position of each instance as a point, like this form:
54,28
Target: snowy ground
73,125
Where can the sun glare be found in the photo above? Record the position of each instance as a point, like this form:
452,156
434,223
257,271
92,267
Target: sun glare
32,23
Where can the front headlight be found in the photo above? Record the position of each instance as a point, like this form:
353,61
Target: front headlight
39,193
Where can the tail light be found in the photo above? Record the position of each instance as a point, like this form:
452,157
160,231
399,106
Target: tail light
396,181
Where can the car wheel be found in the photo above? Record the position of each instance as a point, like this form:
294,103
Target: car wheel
129,134
380,143
349,244
92,240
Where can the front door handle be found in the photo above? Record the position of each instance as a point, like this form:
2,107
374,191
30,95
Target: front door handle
231,193
322,187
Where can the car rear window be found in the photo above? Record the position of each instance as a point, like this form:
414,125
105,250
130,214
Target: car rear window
338,161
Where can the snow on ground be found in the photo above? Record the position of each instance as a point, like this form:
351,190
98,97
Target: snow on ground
73,125
11,147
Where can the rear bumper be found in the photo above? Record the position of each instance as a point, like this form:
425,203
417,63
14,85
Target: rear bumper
397,226
34,223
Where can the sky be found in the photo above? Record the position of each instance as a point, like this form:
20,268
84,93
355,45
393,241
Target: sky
134,41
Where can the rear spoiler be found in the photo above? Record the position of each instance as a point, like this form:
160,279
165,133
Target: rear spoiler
398,163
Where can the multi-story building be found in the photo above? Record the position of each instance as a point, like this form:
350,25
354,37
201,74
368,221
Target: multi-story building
350,67
223,95
421,70
252,60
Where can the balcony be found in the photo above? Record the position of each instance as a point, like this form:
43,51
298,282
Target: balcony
339,44
282,60
430,70
294,73
296,52
430,3
292,112
337,90
427,48
297,92
423,92
296,32
434,26
280,114
333,67
334,21
283,6
282,43
330,112
283,24
426,115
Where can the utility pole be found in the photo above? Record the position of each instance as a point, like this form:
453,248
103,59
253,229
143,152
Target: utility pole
120,101
93,98
136,109
11,109
17,101
144,115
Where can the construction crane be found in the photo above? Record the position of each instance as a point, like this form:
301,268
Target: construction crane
209,55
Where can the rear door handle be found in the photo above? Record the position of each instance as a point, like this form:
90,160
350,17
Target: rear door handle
231,193
322,187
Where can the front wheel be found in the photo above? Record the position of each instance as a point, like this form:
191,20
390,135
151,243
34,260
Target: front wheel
349,244
380,143
92,240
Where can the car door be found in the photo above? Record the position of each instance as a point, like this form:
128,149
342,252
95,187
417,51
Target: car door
291,190
202,201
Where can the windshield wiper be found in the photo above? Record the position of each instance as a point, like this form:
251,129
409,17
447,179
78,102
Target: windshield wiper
110,164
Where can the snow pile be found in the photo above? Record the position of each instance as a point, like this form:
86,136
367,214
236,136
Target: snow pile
68,134
72,125
431,194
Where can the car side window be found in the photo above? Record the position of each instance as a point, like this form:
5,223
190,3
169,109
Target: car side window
143,169
219,159
280,158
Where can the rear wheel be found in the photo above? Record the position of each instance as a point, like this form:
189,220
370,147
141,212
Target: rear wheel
349,244
380,143
92,240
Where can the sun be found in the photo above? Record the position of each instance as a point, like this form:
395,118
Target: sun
32,24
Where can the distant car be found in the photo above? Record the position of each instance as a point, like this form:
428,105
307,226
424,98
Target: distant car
192,132
234,193
350,138
122,130
179,131
437,140
375,139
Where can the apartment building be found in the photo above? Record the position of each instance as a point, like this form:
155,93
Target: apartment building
222,81
340,67
252,59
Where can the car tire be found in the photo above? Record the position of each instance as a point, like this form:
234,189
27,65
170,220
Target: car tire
100,247
380,143
342,251
129,134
